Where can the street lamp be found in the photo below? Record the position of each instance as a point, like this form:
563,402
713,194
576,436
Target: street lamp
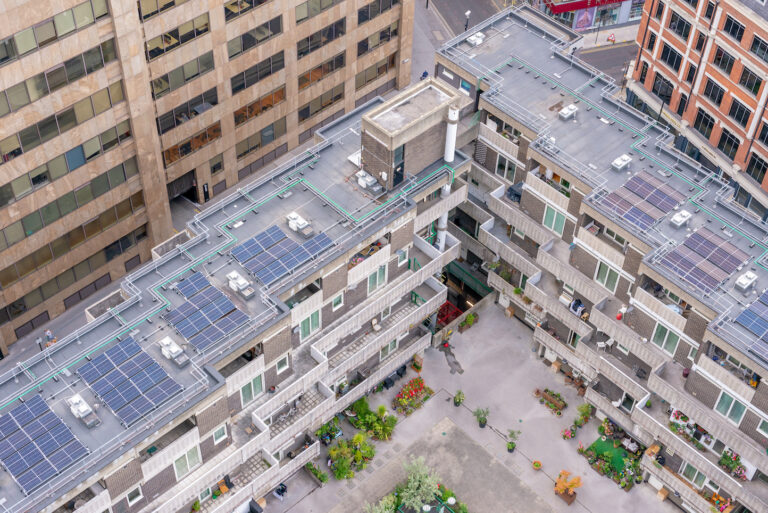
466,24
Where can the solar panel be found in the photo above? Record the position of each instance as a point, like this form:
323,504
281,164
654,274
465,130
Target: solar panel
270,255
205,296
126,386
257,244
231,322
193,284
317,244
639,218
271,273
206,337
36,445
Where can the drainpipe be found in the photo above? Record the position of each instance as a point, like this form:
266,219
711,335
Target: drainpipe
448,156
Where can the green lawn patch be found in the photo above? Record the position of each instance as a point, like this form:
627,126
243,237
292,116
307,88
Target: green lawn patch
617,455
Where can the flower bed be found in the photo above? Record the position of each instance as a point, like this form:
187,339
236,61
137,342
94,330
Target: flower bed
613,462
412,396
731,462
379,424
349,456
553,400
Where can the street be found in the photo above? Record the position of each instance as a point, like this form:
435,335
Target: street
610,59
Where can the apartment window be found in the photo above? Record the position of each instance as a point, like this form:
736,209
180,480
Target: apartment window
691,474
662,88
282,364
187,462
370,11
321,38
372,73
739,112
182,75
756,168
728,143
606,276
723,60
665,338
729,407
187,111
234,8
337,302
402,256
505,168
377,279
714,92
216,163
192,144
306,10
134,496
321,71
149,8
259,106
762,137
671,57
659,10
377,39
692,3
204,496
388,349
258,72
261,138
679,26
310,325
52,29
733,28
251,391
519,233
321,103
709,11
762,428
691,73
615,237
172,39
692,352
682,104
750,80
220,434
651,44
254,37
760,48
700,40
643,72
554,220
704,123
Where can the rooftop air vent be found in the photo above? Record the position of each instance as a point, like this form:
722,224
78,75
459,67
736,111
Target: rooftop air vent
621,163
746,281
476,39
680,218
568,112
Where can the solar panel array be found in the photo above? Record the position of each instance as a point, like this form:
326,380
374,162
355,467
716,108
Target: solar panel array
36,445
293,258
192,285
704,260
755,320
257,244
129,381
643,200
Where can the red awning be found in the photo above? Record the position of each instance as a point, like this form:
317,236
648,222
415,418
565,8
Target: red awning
575,5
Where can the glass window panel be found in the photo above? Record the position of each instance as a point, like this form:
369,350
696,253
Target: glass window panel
83,110
100,185
191,70
81,270
108,51
116,92
76,237
21,186
737,412
18,96
176,78
83,14
40,176
131,168
724,404
5,108
84,194
107,218
124,130
48,128
123,209
116,176
75,158
8,276
92,228
160,86
43,256
7,50
100,8
6,197
29,138
65,279
57,78
186,32
37,87
75,68
109,139
67,203
206,62
25,41
50,213
10,147
14,232
93,59
49,288
26,265
57,167
60,246
92,148
147,8
66,120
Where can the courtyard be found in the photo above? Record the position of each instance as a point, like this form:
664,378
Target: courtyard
496,368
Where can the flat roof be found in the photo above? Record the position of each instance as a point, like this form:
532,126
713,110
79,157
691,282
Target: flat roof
526,62
318,184
411,108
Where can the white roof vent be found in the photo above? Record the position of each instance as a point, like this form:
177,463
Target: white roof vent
568,112
746,281
621,163
680,218
476,39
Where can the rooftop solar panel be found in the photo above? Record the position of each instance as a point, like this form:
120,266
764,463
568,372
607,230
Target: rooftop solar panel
193,284
257,244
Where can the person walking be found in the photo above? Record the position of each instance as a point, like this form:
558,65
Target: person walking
48,335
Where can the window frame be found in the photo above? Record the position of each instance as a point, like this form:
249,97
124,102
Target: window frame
609,270
663,344
137,498
730,406
759,427
334,305
402,257
185,456
390,348
218,439
285,366
555,212
377,276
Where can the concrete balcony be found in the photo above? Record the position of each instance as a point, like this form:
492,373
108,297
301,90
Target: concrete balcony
618,415
498,141
497,240
408,347
657,308
249,482
608,251
307,411
543,189
512,214
623,373
669,383
565,352
368,344
428,211
503,286
605,320
556,260
675,483
546,294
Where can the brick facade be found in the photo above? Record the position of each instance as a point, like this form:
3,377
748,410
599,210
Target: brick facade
124,479
695,326
277,346
533,206
335,281
401,237
159,483
212,416
703,389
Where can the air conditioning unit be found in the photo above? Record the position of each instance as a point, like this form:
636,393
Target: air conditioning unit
568,112
621,163
746,281
680,219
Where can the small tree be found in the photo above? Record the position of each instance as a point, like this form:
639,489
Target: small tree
585,410
387,504
564,486
421,485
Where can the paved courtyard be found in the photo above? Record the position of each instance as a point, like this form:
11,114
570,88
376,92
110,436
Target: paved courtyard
500,372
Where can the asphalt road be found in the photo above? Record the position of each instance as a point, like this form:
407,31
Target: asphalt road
610,59
452,11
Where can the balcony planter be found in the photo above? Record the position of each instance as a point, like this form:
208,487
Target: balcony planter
317,475
567,497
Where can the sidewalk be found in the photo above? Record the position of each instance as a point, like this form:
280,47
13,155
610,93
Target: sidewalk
599,37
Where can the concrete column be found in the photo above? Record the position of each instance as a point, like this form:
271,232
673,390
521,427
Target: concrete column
450,133
442,221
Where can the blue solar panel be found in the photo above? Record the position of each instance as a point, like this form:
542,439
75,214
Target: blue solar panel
36,445
270,255
205,296
218,309
271,273
193,284
206,338
255,245
317,244
231,322
639,218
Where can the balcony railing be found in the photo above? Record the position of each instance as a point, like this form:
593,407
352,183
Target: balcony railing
558,310
564,351
441,207
675,483
659,309
626,336
493,138
556,261
303,421
509,252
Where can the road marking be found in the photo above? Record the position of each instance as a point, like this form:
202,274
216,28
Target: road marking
438,35
440,18
602,48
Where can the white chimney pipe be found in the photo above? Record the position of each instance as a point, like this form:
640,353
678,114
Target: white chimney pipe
442,221
450,133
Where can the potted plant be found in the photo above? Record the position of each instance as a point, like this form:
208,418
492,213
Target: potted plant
196,506
458,398
481,414
648,403
518,291
317,475
512,436
566,488
536,465
467,323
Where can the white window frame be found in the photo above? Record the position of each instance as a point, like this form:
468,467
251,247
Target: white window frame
568,289
402,257
312,328
760,429
254,395
377,277
335,306
730,407
698,473
217,440
519,233
185,456
285,368
615,237
205,494
624,349
136,499
555,213
610,270
386,312
390,348
692,352
666,338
